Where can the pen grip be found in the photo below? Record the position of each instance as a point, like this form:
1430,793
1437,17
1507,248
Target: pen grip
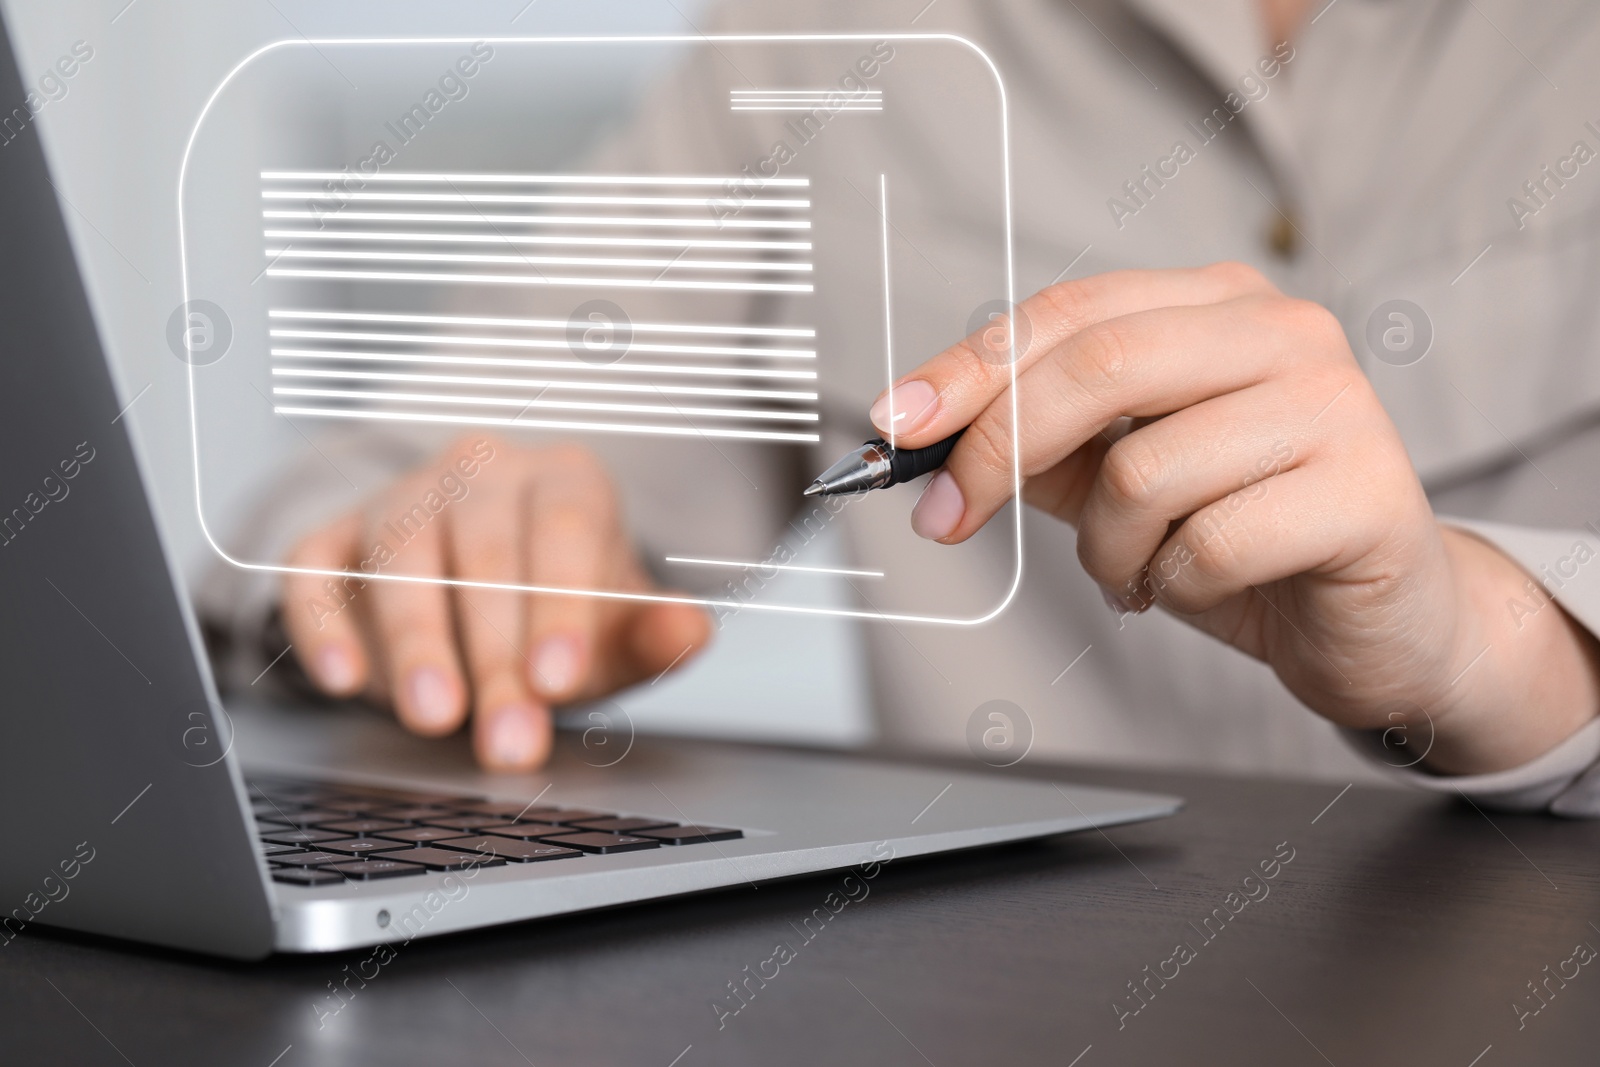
910,463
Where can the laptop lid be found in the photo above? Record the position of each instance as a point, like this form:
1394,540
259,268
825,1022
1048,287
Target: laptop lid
120,809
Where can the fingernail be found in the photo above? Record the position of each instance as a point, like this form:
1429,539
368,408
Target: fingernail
555,665
513,737
905,408
939,509
434,701
336,668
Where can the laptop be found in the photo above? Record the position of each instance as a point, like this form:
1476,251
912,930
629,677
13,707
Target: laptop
136,804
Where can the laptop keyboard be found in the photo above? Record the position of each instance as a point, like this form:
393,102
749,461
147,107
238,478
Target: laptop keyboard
315,833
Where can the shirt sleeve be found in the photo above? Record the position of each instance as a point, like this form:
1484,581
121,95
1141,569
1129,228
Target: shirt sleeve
1564,566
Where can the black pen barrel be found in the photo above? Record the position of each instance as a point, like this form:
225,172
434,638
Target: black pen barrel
910,463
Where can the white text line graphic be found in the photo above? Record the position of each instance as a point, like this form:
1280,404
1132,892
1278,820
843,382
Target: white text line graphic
553,424
380,236
772,566
644,180
559,405
542,384
586,281
827,101
549,324
549,364
533,342
676,263
535,198
484,219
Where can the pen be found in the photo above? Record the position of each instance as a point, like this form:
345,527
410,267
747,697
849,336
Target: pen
878,465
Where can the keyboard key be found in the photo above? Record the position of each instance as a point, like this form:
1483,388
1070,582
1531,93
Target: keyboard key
272,827
522,831
508,809
602,844
568,816
363,826
439,859
275,850
316,798
691,835
413,813
464,823
515,851
367,870
309,859
311,817
275,812
363,846
302,837
419,835
370,797
416,796
306,876
620,825
355,806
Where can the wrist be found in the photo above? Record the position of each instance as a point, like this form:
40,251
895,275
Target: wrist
1525,675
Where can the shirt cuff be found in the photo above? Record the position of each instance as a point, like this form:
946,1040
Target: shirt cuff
1565,780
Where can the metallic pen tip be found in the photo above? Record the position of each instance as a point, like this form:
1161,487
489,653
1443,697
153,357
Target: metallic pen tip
814,489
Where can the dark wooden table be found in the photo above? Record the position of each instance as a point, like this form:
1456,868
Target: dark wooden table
1406,929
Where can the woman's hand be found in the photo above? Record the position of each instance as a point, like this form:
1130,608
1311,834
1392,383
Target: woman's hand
1222,455
484,511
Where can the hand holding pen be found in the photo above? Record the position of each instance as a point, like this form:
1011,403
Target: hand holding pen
1262,495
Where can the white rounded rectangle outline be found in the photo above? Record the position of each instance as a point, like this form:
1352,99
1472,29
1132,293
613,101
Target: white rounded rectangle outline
1010,270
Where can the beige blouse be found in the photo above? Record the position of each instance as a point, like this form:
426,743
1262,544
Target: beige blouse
1397,150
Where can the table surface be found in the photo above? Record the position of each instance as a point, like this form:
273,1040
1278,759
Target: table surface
1406,929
